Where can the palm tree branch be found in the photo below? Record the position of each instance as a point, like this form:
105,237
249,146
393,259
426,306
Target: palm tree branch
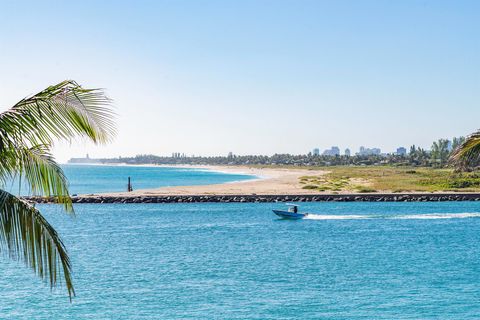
37,166
27,131
62,111
44,176
28,237
468,152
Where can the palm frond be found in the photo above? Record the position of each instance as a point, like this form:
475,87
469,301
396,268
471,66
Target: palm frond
62,111
468,153
44,175
27,236
27,131
39,170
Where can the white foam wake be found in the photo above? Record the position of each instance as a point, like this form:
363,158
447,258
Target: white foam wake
440,216
424,216
311,216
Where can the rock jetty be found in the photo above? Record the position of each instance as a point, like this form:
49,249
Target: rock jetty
373,197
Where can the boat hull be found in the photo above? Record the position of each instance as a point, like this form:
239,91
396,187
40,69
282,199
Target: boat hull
289,215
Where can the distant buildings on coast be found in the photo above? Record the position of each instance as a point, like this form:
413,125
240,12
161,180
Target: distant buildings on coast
401,151
178,155
334,151
363,151
414,156
231,158
85,160
369,151
437,156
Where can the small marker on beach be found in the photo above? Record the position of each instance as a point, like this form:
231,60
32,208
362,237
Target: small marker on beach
129,186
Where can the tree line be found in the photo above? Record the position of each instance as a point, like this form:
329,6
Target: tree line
438,156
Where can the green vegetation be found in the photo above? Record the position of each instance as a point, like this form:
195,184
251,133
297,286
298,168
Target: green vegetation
328,183
364,189
27,131
365,179
438,157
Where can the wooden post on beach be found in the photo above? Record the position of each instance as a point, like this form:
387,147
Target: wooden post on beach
129,186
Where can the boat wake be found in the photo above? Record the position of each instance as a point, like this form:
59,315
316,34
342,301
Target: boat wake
426,216
312,216
440,216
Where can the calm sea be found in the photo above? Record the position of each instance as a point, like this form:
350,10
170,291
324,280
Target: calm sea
238,261
85,179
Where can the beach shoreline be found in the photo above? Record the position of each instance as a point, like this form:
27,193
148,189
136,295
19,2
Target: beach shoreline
265,181
270,180
268,185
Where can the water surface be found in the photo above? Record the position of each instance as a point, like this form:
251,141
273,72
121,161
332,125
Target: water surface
86,179
238,261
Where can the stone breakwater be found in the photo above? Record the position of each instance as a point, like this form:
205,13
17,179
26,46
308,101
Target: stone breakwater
394,197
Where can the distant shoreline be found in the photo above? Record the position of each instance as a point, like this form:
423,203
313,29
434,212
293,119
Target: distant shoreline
280,180
214,168
267,181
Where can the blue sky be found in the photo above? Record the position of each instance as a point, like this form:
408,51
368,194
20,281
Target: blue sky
253,77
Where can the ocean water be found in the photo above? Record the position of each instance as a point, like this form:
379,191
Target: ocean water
238,261
86,179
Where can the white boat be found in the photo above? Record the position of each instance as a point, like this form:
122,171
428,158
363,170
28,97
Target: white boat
291,213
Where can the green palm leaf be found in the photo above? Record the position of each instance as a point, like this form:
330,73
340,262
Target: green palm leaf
63,111
27,236
468,153
43,174
27,132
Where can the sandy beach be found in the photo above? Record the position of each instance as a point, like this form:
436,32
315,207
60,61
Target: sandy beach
270,181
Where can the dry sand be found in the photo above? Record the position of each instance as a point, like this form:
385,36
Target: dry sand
271,181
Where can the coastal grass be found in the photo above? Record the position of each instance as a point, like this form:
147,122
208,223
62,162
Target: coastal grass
367,179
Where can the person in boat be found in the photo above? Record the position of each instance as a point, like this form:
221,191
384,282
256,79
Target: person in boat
295,209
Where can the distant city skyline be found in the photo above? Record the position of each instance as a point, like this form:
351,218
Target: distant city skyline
253,77
332,151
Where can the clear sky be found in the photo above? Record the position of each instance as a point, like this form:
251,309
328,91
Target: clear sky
253,77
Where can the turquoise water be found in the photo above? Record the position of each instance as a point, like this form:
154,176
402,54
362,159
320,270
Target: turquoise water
85,179
237,261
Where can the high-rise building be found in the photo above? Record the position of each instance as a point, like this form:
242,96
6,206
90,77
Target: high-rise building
368,152
316,152
334,151
347,152
376,151
401,151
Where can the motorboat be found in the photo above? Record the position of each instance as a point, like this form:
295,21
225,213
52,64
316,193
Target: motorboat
291,213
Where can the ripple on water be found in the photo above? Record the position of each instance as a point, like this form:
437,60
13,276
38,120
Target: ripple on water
236,261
